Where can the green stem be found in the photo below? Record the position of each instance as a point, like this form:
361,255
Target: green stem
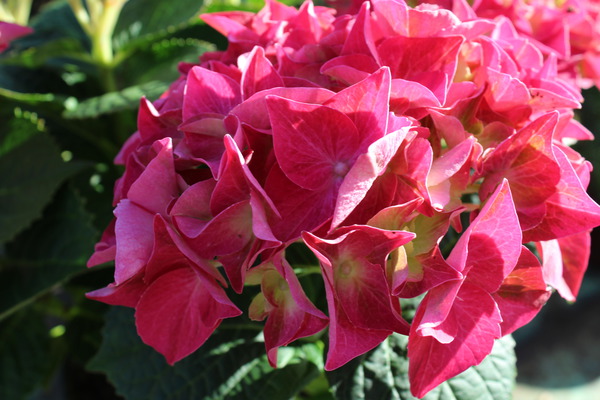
107,77
307,270
102,50
23,11
81,15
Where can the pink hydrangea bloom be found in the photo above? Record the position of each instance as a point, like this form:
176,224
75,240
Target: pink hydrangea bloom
339,132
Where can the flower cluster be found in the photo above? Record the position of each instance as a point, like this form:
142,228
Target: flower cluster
367,137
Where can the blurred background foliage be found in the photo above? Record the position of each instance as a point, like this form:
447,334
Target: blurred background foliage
68,99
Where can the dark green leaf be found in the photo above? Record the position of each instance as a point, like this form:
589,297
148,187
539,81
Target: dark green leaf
30,173
231,365
60,48
29,81
55,20
158,60
18,128
48,253
24,355
382,374
141,18
116,101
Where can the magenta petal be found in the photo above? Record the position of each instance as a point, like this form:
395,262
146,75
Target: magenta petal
175,239
234,223
350,69
232,25
412,165
552,96
236,265
406,94
522,294
134,231
152,125
568,211
106,249
434,310
347,341
165,253
209,92
365,303
527,160
235,181
281,327
489,249
445,174
395,13
395,217
373,243
450,162
258,74
434,271
126,294
253,111
356,286
179,311
191,211
156,187
300,209
232,183
296,290
476,318
359,40
509,94
202,142
314,145
354,265
10,32
575,251
382,194
433,68
363,173
564,263
293,316
367,104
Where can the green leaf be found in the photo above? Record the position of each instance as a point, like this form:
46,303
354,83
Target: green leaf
24,349
141,18
19,128
53,21
52,250
158,60
126,99
30,173
232,364
58,51
28,81
382,374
